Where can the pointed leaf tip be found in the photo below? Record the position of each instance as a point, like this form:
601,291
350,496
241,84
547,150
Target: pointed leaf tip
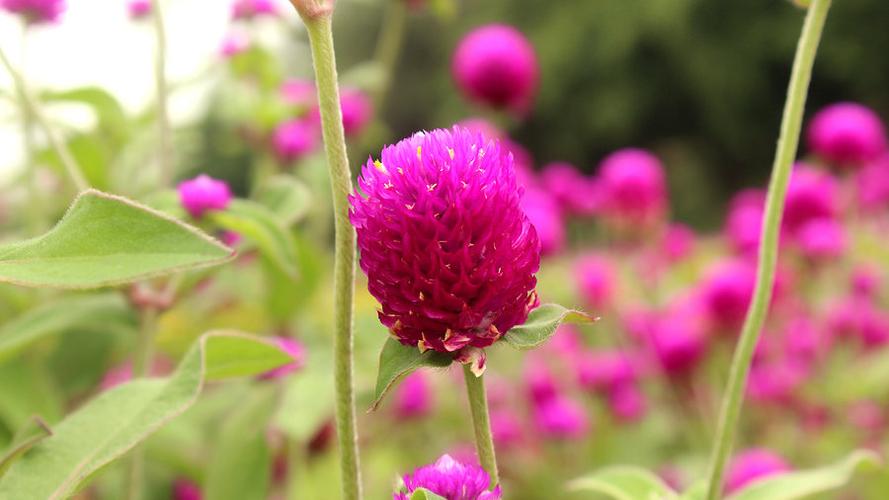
542,323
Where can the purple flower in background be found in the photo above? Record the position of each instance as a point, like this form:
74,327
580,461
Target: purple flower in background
595,281
872,183
543,212
35,11
294,139
299,92
506,429
776,381
541,385
812,194
847,134
497,66
743,224
292,348
357,111
627,403
447,250
678,242
139,9
634,190
203,194
248,9
605,371
727,293
560,418
575,193
679,341
751,465
865,282
822,239
413,398
186,489
450,479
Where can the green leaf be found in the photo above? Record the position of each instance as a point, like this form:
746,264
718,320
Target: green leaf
60,316
801,484
259,225
697,491
542,324
424,494
286,197
35,431
116,421
309,395
624,483
397,361
241,460
111,116
108,240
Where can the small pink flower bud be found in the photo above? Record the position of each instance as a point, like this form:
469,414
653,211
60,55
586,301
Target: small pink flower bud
633,187
753,464
357,111
847,134
294,139
139,9
203,194
413,398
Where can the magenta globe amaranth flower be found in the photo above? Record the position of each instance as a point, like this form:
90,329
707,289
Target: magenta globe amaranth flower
727,293
576,193
450,479
35,11
811,194
357,111
138,9
751,465
497,66
633,187
821,239
204,194
294,139
847,134
560,418
446,248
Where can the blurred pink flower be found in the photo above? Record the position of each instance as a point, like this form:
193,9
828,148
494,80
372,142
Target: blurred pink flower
496,65
847,134
752,464
872,182
576,193
357,111
633,187
539,380
234,44
604,371
812,194
294,139
248,9
204,194
776,381
139,9
679,342
123,373
186,489
595,281
36,11
866,282
560,418
295,350
413,398
822,239
727,292
506,429
744,221
678,242
543,212
627,403
299,92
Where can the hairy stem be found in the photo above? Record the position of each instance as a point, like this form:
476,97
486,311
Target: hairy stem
788,141
34,111
481,422
165,147
324,60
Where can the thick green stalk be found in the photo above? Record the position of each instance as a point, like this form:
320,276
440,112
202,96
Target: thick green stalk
165,147
481,422
788,141
321,40
55,142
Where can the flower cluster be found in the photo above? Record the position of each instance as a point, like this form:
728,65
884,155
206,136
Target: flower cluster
450,479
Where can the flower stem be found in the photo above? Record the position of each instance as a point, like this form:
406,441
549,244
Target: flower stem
60,148
388,48
165,149
142,358
788,141
481,422
324,61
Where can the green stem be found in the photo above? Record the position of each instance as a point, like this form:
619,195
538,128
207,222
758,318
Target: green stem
481,422
324,60
165,149
60,148
142,358
389,47
768,250
35,207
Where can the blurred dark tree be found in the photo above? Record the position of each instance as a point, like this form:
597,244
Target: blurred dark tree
701,82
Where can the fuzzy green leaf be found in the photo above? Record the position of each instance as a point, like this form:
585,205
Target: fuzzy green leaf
116,421
397,361
624,483
108,240
542,324
35,431
804,483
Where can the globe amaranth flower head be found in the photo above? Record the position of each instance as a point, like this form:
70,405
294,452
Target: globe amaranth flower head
35,11
847,134
445,245
752,464
497,66
450,479
203,194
